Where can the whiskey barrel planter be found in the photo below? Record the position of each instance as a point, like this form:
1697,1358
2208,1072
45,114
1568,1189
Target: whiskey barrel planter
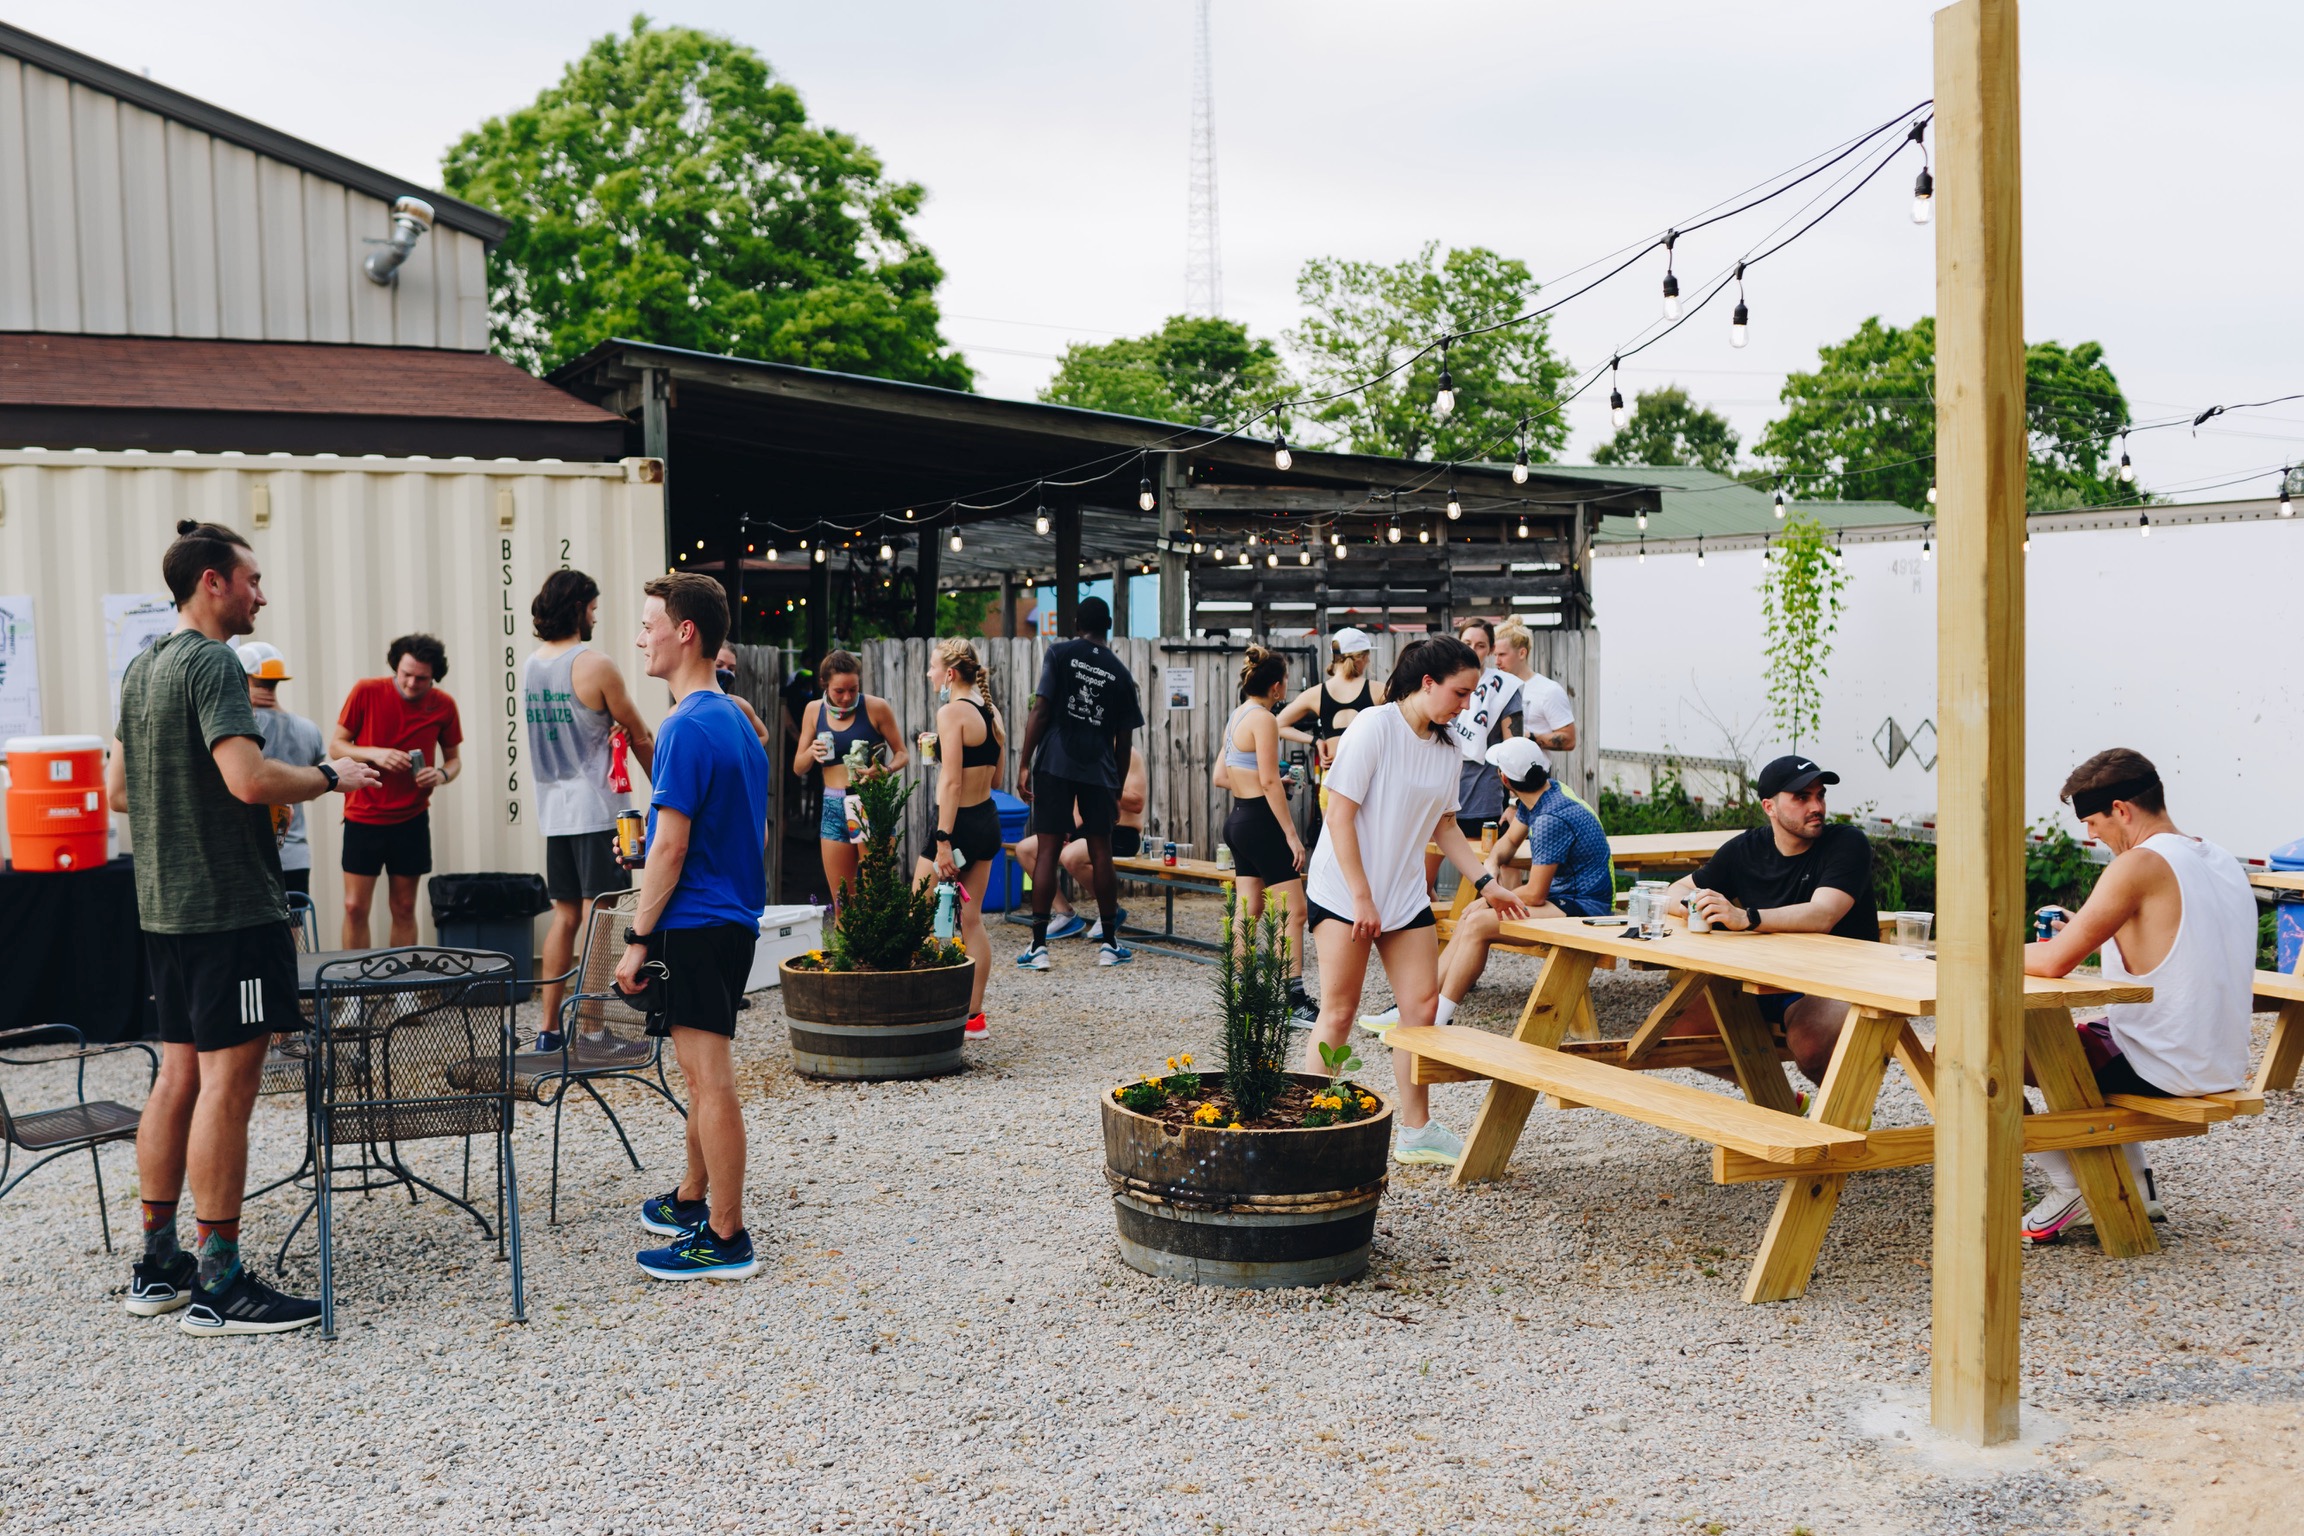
873,1026
1246,1208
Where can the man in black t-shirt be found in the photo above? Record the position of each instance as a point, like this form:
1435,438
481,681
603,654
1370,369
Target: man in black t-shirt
1076,746
1797,874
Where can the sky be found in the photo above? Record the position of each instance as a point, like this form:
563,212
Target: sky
1053,139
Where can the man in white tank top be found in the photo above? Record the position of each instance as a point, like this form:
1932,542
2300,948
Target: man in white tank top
2171,911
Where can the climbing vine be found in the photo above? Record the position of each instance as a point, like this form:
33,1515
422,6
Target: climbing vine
1800,607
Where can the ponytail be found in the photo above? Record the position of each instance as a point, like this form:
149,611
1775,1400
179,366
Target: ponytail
1259,670
1435,656
958,656
839,664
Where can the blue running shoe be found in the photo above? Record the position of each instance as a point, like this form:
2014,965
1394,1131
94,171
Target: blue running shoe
1069,926
667,1215
1119,919
703,1255
1035,958
1115,954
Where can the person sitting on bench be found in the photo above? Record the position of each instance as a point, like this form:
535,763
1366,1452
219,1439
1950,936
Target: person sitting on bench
1798,873
1127,843
1568,870
2171,910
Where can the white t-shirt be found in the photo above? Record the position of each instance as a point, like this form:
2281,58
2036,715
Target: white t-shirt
1544,706
1478,724
1404,784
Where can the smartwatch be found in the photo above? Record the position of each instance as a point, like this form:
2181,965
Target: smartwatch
1482,884
329,774
1752,917
634,938
943,836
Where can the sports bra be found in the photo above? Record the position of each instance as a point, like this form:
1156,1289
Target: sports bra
858,728
986,753
1233,756
1330,708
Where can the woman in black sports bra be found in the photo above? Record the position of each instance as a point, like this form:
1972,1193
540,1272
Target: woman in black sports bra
1333,703
969,744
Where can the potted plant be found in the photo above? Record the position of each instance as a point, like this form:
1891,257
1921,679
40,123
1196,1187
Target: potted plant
1260,1176
884,998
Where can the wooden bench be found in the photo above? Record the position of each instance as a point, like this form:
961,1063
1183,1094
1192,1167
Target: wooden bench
1730,1124
1183,875
2285,991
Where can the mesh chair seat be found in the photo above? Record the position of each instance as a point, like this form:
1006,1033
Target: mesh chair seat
539,1076
102,1120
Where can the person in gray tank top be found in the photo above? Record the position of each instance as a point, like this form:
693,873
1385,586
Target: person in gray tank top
576,702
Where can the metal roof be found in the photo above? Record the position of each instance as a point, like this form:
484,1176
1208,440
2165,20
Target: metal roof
1702,501
208,118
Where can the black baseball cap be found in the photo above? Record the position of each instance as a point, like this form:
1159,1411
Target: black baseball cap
1788,773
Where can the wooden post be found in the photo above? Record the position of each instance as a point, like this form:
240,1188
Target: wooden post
1980,923
1067,569
819,610
1175,557
927,575
1120,570
656,435
1007,605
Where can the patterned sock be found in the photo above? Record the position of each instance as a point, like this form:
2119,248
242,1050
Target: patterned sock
159,1231
219,1252
1039,929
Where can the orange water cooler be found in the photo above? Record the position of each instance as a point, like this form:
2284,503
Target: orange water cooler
58,813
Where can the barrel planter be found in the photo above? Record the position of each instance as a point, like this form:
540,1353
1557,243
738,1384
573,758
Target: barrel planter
873,1026
1260,1209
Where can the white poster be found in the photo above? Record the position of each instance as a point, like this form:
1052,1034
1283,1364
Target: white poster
132,621
1179,687
19,669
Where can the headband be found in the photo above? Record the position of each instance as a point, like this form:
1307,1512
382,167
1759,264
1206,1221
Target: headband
2095,802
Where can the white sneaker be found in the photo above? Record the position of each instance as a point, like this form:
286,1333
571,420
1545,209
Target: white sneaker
2059,1211
1430,1142
2153,1209
1379,1024
1115,954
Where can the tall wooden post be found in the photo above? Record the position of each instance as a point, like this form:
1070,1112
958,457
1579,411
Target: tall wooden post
927,577
1067,569
1980,919
1007,605
1175,615
1120,571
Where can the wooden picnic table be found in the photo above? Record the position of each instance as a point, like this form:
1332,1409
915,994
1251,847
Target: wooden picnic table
1644,851
2277,879
2283,990
1763,1136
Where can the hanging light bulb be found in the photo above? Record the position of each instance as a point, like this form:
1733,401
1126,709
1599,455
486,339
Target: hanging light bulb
1931,493
1444,400
1281,457
1643,560
803,543
1743,316
1251,537
1927,540
1342,550
887,550
1779,503
1523,529
1424,535
2144,524
1393,533
1145,500
1304,555
1520,457
953,543
1196,546
2027,544
1642,522
1455,507
1923,196
1272,558
1671,282
2127,470
1699,549
1617,415
1335,537
907,514
2287,507
819,554
1839,555
1040,520
771,554
1243,559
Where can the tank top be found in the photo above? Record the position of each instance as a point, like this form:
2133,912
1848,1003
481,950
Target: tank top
2193,1037
1233,756
858,728
568,748
986,753
1330,709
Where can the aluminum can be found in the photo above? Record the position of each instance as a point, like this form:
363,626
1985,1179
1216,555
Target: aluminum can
631,834
1487,837
1697,922
2043,919
416,761
1168,855
927,741
824,745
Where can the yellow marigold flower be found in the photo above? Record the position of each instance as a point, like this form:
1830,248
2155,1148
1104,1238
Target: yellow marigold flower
1235,1125
1171,1063
1187,1058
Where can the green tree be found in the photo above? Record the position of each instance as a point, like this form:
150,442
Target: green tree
1193,366
670,188
1363,318
1666,428
1863,425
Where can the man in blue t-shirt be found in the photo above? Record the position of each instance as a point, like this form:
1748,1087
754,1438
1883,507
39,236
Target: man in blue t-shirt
1568,870
1076,746
701,895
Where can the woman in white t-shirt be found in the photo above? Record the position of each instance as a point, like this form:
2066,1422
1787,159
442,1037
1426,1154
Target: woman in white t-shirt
1391,790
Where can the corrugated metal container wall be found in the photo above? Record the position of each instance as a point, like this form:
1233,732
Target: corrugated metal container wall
354,553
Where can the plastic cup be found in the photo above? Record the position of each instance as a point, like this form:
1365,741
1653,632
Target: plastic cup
1913,929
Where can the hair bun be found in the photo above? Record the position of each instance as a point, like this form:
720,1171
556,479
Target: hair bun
185,525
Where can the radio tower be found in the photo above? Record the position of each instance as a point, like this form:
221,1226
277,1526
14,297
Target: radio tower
1203,264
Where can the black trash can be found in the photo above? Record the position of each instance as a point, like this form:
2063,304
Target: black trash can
493,911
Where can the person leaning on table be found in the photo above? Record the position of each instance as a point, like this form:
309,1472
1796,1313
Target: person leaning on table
2171,910
1795,874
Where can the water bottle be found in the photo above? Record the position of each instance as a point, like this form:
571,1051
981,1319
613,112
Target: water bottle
947,911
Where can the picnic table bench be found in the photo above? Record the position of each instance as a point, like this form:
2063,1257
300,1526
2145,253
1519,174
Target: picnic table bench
1762,1136
1183,875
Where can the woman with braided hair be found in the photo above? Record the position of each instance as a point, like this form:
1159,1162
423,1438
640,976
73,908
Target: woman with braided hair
969,742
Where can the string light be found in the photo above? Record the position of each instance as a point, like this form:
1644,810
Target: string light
1304,556
1145,500
1642,521
953,543
1281,457
1931,493
1699,549
1196,546
2127,470
887,551
1272,559
1616,413
771,554
1455,507
1671,282
2144,524
1251,537
1779,503
1743,316
907,514
1243,559
1393,533
1040,520
1643,560
1924,185
1341,550
1927,540
820,554
1523,531
1444,400
2287,507
1424,535
1839,555
1520,458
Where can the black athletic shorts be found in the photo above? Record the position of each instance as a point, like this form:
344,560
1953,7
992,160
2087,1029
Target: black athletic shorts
1471,826
1773,1004
297,880
1058,805
218,990
705,971
581,865
403,848
1316,914
1259,844
1127,842
976,832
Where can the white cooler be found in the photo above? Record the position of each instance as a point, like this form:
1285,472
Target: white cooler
784,932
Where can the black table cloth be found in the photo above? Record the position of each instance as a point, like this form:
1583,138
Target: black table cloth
75,952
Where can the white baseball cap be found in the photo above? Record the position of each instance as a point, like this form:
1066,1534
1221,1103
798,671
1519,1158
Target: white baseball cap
263,662
1518,757
1352,642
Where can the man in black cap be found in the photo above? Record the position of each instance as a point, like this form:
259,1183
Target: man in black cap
1797,874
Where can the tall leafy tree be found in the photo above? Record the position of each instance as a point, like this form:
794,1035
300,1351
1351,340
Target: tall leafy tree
1665,427
1364,318
1862,426
1193,366
670,188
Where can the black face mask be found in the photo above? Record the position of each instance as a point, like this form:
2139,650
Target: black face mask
727,676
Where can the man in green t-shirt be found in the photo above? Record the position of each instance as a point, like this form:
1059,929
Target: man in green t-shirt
188,767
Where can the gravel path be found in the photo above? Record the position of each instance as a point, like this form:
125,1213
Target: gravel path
944,1340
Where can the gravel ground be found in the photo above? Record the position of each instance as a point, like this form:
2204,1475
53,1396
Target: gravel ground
943,1339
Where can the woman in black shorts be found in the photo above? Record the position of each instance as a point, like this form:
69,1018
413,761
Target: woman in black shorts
969,741
1267,855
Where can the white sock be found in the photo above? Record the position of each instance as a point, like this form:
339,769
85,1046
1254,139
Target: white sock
2059,1171
1443,1013
2138,1164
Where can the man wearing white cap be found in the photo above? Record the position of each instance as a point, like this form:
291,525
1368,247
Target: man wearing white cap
287,739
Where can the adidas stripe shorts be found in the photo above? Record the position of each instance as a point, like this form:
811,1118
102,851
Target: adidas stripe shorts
218,990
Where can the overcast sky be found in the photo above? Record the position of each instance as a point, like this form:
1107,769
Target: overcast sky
1052,136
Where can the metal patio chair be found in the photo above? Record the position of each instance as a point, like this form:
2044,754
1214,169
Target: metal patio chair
545,1078
284,1062
389,1031
81,1126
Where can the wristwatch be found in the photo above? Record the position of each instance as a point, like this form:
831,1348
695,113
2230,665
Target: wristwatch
943,836
329,774
1483,882
1751,918
634,938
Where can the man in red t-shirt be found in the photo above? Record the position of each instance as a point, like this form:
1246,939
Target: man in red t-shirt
389,827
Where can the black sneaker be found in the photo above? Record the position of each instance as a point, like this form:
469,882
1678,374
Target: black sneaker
154,1289
246,1305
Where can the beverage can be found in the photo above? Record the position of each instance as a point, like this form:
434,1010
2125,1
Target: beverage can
1487,837
1697,922
1168,855
631,834
416,761
2043,922
824,745
927,740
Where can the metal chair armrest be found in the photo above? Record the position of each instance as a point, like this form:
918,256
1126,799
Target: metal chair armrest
26,1034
